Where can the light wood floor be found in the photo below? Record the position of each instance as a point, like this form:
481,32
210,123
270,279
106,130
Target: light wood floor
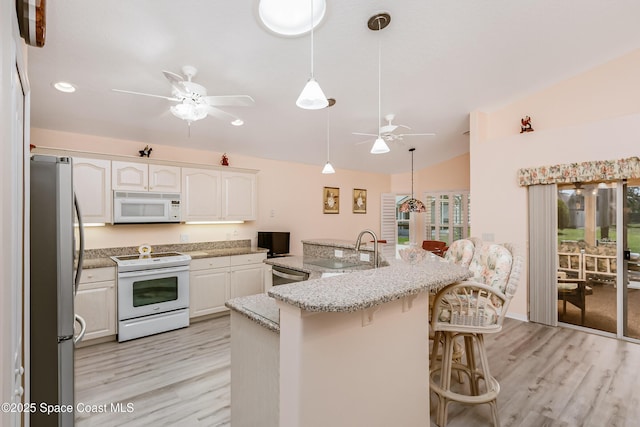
549,377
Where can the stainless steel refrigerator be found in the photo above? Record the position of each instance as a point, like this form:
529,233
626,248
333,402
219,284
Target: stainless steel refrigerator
55,274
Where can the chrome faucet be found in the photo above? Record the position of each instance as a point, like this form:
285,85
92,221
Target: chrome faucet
375,245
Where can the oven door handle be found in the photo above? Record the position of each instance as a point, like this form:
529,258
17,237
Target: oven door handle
152,271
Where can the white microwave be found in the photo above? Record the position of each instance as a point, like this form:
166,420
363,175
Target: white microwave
131,207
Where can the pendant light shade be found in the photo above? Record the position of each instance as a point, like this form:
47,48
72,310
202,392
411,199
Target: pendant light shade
379,147
312,97
377,23
328,168
412,205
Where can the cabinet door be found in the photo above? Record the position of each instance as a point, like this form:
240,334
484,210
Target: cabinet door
92,184
208,291
96,303
239,196
200,195
129,176
164,179
247,280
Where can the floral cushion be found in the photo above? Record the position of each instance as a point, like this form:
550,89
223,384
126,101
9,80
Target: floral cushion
460,252
491,265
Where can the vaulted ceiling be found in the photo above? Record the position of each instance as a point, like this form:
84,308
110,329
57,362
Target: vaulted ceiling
440,60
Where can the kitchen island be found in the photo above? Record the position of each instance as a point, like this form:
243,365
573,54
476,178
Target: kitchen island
347,350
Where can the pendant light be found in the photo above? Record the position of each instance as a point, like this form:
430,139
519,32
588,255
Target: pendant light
328,168
412,205
377,23
312,97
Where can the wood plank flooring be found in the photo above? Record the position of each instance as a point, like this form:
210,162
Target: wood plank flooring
548,377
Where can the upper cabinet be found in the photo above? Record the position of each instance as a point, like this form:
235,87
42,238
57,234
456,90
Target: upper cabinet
212,195
92,184
239,196
131,176
201,199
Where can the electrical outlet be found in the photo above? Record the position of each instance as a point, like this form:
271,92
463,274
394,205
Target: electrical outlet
338,253
184,238
364,257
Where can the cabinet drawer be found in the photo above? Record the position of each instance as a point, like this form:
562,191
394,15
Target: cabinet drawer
205,263
90,275
248,259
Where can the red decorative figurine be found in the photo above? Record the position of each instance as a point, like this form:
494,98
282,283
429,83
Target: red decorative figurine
224,161
526,125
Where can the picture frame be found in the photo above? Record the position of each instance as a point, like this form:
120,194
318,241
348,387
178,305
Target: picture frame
331,200
359,201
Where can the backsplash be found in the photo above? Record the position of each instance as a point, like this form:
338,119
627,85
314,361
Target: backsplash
174,247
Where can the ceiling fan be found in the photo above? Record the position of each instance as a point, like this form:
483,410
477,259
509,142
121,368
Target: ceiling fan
387,132
193,102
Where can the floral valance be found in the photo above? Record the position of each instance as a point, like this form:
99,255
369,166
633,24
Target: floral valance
598,170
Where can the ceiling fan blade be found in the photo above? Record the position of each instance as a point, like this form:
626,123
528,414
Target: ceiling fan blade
173,77
364,134
416,134
368,141
230,100
219,114
146,94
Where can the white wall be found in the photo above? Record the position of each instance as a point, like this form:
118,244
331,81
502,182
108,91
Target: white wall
593,116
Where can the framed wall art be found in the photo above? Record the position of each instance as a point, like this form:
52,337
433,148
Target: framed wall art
331,200
359,200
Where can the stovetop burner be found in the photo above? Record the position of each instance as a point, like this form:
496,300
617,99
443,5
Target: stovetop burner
151,261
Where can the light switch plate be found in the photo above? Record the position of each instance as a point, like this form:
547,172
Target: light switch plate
338,253
364,257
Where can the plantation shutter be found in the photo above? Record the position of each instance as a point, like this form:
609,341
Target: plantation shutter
388,224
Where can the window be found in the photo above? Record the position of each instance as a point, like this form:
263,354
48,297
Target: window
448,216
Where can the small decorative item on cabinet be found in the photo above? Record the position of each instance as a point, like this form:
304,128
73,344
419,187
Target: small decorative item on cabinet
331,200
359,200
525,125
145,152
224,160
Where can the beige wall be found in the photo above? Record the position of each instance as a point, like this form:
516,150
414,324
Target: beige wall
452,174
593,116
290,197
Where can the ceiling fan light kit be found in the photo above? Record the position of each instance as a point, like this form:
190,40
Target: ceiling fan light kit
312,97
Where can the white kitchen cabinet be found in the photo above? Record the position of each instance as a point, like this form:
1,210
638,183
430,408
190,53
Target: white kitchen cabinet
95,301
201,200
212,195
247,275
92,184
239,194
208,286
212,281
132,176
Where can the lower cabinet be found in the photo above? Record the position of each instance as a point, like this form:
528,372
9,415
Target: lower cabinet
208,285
96,302
212,281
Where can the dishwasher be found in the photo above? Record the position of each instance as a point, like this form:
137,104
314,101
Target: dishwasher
282,275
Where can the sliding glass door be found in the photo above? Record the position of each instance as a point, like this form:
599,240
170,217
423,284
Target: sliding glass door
599,256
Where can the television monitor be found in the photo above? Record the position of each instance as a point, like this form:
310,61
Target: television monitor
277,242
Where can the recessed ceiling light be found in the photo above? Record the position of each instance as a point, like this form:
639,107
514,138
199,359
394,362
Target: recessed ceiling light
65,87
237,122
290,17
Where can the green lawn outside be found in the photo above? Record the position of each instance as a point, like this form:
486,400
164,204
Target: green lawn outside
633,235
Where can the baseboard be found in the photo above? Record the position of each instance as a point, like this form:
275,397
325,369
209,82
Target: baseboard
517,316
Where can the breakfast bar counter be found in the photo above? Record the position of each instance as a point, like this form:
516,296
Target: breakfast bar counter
347,350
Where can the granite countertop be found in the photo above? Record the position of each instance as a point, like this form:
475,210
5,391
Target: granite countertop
260,308
363,289
306,265
98,258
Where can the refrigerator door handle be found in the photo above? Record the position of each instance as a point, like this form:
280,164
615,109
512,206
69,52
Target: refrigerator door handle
81,248
83,329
